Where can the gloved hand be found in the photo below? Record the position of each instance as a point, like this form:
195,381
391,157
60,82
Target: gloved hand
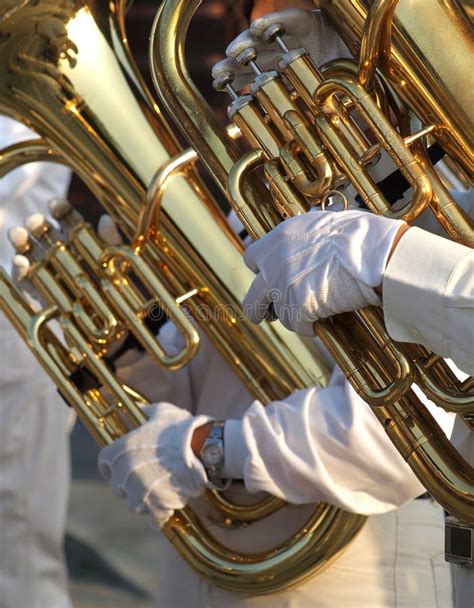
154,467
319,264
303,28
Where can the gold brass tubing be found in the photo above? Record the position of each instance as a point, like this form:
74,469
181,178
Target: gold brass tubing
296,172
432,83
388,137
276,101
304,77
148,219
267,572
235,188
421,134
256,130
315,155
376,40
449,399
341,107
41,346
192,113
286,201
436,463
456,222
110,257
401,371
245,513
85,291
48,287
27,152
101,371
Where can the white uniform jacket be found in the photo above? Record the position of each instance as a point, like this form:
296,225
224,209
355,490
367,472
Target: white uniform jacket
34,441
428,293
305,449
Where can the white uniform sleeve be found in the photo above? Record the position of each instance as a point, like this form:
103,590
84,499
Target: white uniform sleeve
320,445
428,294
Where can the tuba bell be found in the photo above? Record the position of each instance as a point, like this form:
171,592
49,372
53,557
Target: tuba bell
181,257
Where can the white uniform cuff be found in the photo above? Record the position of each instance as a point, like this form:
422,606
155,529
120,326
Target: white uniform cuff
414,284
236,451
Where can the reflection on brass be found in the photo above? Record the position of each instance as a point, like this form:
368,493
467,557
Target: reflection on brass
327,133
66,71
103,123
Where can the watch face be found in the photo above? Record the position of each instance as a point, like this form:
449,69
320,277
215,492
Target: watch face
212,454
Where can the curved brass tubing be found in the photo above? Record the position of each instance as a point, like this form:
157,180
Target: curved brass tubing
388,138
259,574
238,176
192,113
447,398
148,220
316,157
334,335
246,513
376,40
28,151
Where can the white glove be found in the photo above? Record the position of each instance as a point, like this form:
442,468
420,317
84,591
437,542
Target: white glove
154,467
319,264
303,28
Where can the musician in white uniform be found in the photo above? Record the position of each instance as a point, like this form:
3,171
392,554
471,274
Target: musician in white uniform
318,444
34,450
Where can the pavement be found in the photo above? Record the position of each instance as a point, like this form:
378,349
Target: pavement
112,554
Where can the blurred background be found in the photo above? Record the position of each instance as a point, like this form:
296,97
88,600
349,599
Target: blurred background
112,555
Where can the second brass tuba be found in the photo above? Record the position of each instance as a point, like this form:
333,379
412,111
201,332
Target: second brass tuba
303,123
66,72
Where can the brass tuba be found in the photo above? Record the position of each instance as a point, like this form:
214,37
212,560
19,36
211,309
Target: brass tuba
66,72
107,127
309,146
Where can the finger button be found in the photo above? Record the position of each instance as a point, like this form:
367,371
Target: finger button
19,238
36,225
20,267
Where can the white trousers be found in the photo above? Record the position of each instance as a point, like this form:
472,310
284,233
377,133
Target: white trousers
397,561
34,481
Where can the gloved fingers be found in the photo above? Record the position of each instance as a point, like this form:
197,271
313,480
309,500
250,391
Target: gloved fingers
104,468
160,518
296,22
296,319
257,301
109,455
304,29
244,41
119,491
165,413
108,231
267,57
280,239
141,485
227,71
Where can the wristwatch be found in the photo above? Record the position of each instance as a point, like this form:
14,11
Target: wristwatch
212,456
